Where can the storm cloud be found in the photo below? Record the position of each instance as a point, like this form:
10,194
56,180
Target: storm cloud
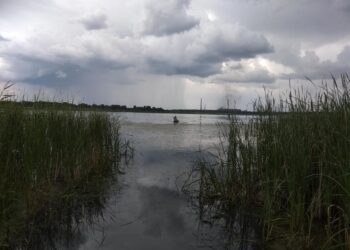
201,52
168,17
201,44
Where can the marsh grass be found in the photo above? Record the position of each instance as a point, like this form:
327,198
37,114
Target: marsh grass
50,158
290,166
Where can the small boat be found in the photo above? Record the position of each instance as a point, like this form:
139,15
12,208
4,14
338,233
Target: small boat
176,120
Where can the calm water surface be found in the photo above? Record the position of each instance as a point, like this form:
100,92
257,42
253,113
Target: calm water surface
149,211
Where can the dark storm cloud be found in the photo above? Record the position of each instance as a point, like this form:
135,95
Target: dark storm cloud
67,74
198,69
227,42
201,69
62,70
202,51
168,17
28,67
316,21
38,71
94,22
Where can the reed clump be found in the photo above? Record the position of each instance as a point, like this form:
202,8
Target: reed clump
290,166
46,156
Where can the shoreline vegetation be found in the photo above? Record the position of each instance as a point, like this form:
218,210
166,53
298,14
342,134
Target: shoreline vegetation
57,169
281,180
119,108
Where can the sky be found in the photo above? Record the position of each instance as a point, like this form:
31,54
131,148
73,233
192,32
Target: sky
170,53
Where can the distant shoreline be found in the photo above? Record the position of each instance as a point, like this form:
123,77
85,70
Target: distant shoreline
122,108
190,112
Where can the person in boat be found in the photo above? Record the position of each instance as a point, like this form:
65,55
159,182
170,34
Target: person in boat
176,120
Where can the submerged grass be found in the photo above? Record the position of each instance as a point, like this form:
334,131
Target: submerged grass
50,156
290,166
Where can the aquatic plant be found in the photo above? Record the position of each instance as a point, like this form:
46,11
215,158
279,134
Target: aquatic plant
48,156
290,166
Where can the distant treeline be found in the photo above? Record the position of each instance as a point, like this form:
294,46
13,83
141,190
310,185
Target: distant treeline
119,108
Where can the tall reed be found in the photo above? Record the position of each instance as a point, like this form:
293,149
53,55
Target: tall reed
50,153
290,165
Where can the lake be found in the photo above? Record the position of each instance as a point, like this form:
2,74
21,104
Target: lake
147,209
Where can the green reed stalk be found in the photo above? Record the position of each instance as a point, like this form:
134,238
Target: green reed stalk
45,153
290,164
